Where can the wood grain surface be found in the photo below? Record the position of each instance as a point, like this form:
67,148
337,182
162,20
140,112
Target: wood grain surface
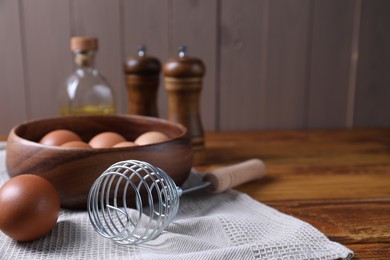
336,180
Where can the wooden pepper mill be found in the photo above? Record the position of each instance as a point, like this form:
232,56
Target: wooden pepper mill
142,79
183,82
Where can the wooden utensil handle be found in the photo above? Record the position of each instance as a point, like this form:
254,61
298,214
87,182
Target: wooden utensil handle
228,177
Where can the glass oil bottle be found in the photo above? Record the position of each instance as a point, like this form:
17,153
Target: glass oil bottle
87,92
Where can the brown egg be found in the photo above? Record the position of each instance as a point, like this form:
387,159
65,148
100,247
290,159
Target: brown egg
106,140
29,207
151,137
76,144
59,137
125,144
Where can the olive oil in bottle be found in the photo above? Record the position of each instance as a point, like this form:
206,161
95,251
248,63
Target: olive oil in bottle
87,92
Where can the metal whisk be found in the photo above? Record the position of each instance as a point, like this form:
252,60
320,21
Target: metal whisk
133,201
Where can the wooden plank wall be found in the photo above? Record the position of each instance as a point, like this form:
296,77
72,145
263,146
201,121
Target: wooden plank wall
271,64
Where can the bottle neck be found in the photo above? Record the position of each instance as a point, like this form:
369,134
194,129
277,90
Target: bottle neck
84,59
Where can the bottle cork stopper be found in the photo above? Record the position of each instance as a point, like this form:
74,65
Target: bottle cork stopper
142,64
183,66
82,43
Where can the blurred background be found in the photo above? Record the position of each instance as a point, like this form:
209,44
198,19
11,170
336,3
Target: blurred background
271,64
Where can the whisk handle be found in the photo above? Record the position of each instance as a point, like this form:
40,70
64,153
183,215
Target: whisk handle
228,177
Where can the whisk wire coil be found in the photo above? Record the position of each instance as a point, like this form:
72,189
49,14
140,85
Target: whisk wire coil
132,202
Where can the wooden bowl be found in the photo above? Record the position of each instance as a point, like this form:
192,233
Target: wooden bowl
73,170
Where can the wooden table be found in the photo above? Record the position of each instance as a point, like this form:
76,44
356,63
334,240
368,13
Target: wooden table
338,181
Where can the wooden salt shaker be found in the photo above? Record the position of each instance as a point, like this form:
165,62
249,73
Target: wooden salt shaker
183,82
142,79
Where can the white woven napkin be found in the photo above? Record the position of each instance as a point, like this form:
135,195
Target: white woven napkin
230,225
